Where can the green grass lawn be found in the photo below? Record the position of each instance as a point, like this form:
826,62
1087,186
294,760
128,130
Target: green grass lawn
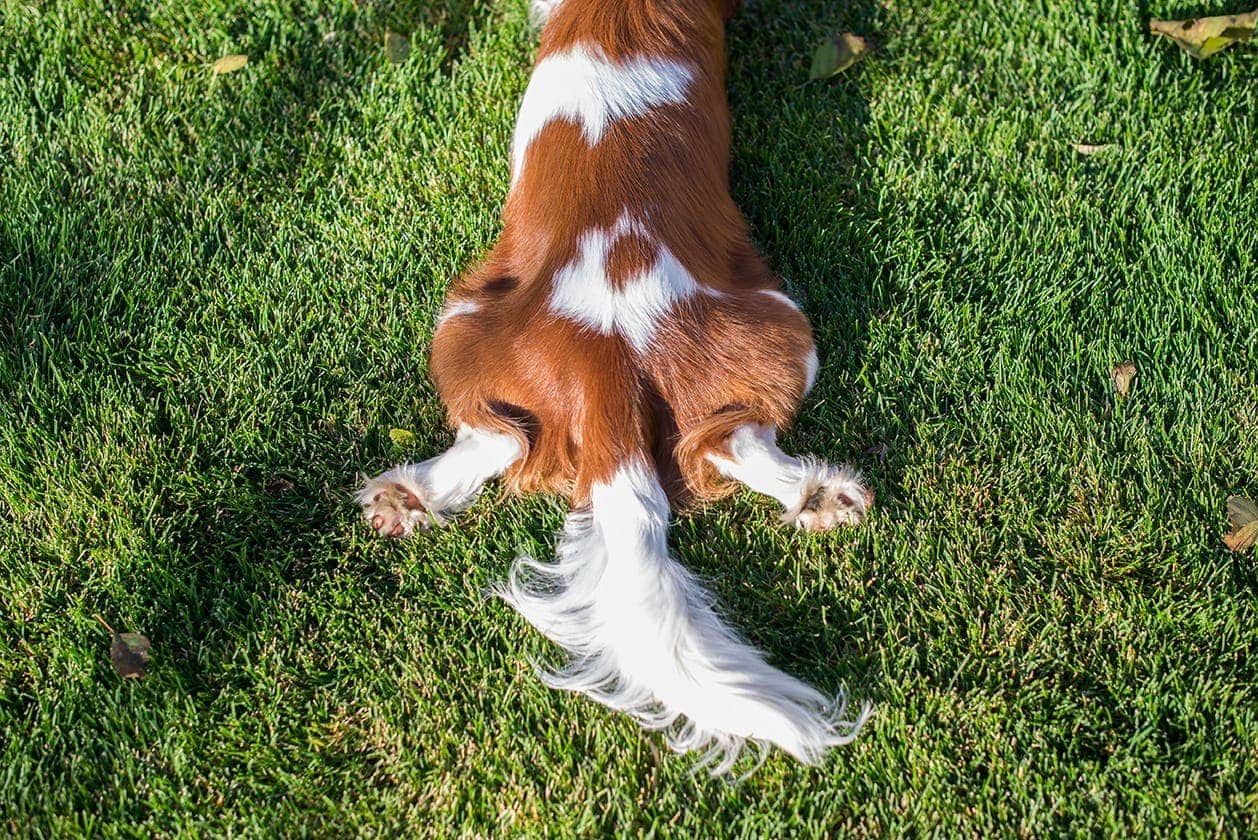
216,299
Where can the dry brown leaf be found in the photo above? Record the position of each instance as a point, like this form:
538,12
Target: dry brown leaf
1123,375
230,64
130,655
277,485
129,652
1203,37
879,451
1243,514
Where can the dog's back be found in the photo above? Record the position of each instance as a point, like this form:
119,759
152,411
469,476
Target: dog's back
624,302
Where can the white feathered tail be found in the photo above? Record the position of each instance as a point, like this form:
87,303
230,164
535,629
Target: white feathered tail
643,636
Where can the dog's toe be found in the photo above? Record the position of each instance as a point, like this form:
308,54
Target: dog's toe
833,498
393,510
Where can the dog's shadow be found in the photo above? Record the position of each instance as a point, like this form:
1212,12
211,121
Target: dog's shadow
796,174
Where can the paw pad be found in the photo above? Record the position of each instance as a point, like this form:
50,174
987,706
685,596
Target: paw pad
393,509
831,498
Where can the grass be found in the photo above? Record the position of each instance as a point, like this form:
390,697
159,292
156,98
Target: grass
216,296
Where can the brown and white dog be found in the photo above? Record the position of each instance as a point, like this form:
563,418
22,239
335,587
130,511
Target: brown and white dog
624,345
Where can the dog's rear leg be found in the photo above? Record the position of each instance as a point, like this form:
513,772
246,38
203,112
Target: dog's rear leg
427,494
815,496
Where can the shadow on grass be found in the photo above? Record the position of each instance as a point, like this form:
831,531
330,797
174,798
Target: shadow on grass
797,176
454,20
229,524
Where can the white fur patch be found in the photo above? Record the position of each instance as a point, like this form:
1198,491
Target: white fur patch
643,636
755,460
811,365
455,308
585,86
582,291
780,296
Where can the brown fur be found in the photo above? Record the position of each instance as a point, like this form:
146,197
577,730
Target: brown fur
582,402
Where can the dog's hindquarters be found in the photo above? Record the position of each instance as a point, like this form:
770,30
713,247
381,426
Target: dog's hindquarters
745,357
502,361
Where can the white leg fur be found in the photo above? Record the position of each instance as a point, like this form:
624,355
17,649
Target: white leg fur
644,638
427,494
815,496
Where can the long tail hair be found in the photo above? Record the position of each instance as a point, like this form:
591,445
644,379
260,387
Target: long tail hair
643,635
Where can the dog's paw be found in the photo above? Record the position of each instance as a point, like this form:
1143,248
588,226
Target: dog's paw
830,497
395,507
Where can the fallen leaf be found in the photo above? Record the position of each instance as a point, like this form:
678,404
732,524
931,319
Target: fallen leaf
1203,37
1090,149
879,451
1123,375
836,55
1243,514
397,47
129,652
402,437
230,64
275,485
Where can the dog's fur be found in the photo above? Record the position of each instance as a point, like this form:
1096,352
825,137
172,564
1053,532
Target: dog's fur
624,345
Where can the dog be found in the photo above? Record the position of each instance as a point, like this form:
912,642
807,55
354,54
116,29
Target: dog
624,345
